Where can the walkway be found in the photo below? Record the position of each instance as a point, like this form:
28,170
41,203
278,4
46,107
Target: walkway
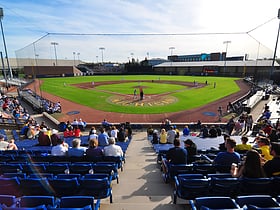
141,186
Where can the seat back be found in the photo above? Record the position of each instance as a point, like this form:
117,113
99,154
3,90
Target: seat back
99,188
216,203
257,200
76,202
56,168
10,186
64,187
256,186
35,186
220,186
8,200
204,169
80,168
33,201
190,188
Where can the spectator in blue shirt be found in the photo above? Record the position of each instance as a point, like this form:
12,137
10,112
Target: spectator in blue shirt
229,156
76,150
103,138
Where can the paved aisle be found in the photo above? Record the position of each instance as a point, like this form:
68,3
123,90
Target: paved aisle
141,186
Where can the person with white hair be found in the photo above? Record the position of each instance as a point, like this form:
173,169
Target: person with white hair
76,150
112,149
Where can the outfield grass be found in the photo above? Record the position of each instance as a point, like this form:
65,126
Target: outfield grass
187,98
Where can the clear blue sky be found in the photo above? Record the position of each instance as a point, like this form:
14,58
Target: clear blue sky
250,25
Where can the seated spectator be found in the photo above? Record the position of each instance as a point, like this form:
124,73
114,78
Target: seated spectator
69,126
112,149
82,125
213,132
12,145
263,144
243,146
171,134
150,131
68,133
191,147
76,150
4,145
203,132
272,167
105,124
222,146
43,138
163,136
155,139
60,149
229,156
54,137
177,154
93,149
103,138
114,132
77,132
219,130
252,167
92,133
121,134
186,131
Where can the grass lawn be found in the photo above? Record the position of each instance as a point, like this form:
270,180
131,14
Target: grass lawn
99,97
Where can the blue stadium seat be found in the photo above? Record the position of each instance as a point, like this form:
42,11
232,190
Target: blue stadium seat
260,201
218,202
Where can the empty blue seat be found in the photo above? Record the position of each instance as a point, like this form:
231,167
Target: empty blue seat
10,186
261,201
99,188
8,200
35,186
77,202
64,187
207,203
34,201
188,189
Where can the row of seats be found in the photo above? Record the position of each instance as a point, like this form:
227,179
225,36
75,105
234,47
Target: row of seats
190,186
110,168
11,202
98,186
252,202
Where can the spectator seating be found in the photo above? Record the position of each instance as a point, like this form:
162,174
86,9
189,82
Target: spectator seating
190,188
34,201
221,202
259,201
78,202
7,200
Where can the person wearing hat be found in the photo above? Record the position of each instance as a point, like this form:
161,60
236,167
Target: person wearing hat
43,138
191,147
54,137
272,167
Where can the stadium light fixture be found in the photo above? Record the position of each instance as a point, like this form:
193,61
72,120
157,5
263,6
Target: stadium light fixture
54,46
4,42
274,55
102,49
225,63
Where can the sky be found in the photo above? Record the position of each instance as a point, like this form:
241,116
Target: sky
127,29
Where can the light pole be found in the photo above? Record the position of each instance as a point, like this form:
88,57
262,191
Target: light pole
274,56
96,59
225,63
171,50
102,49
78,58
74,58
4,42
54,46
